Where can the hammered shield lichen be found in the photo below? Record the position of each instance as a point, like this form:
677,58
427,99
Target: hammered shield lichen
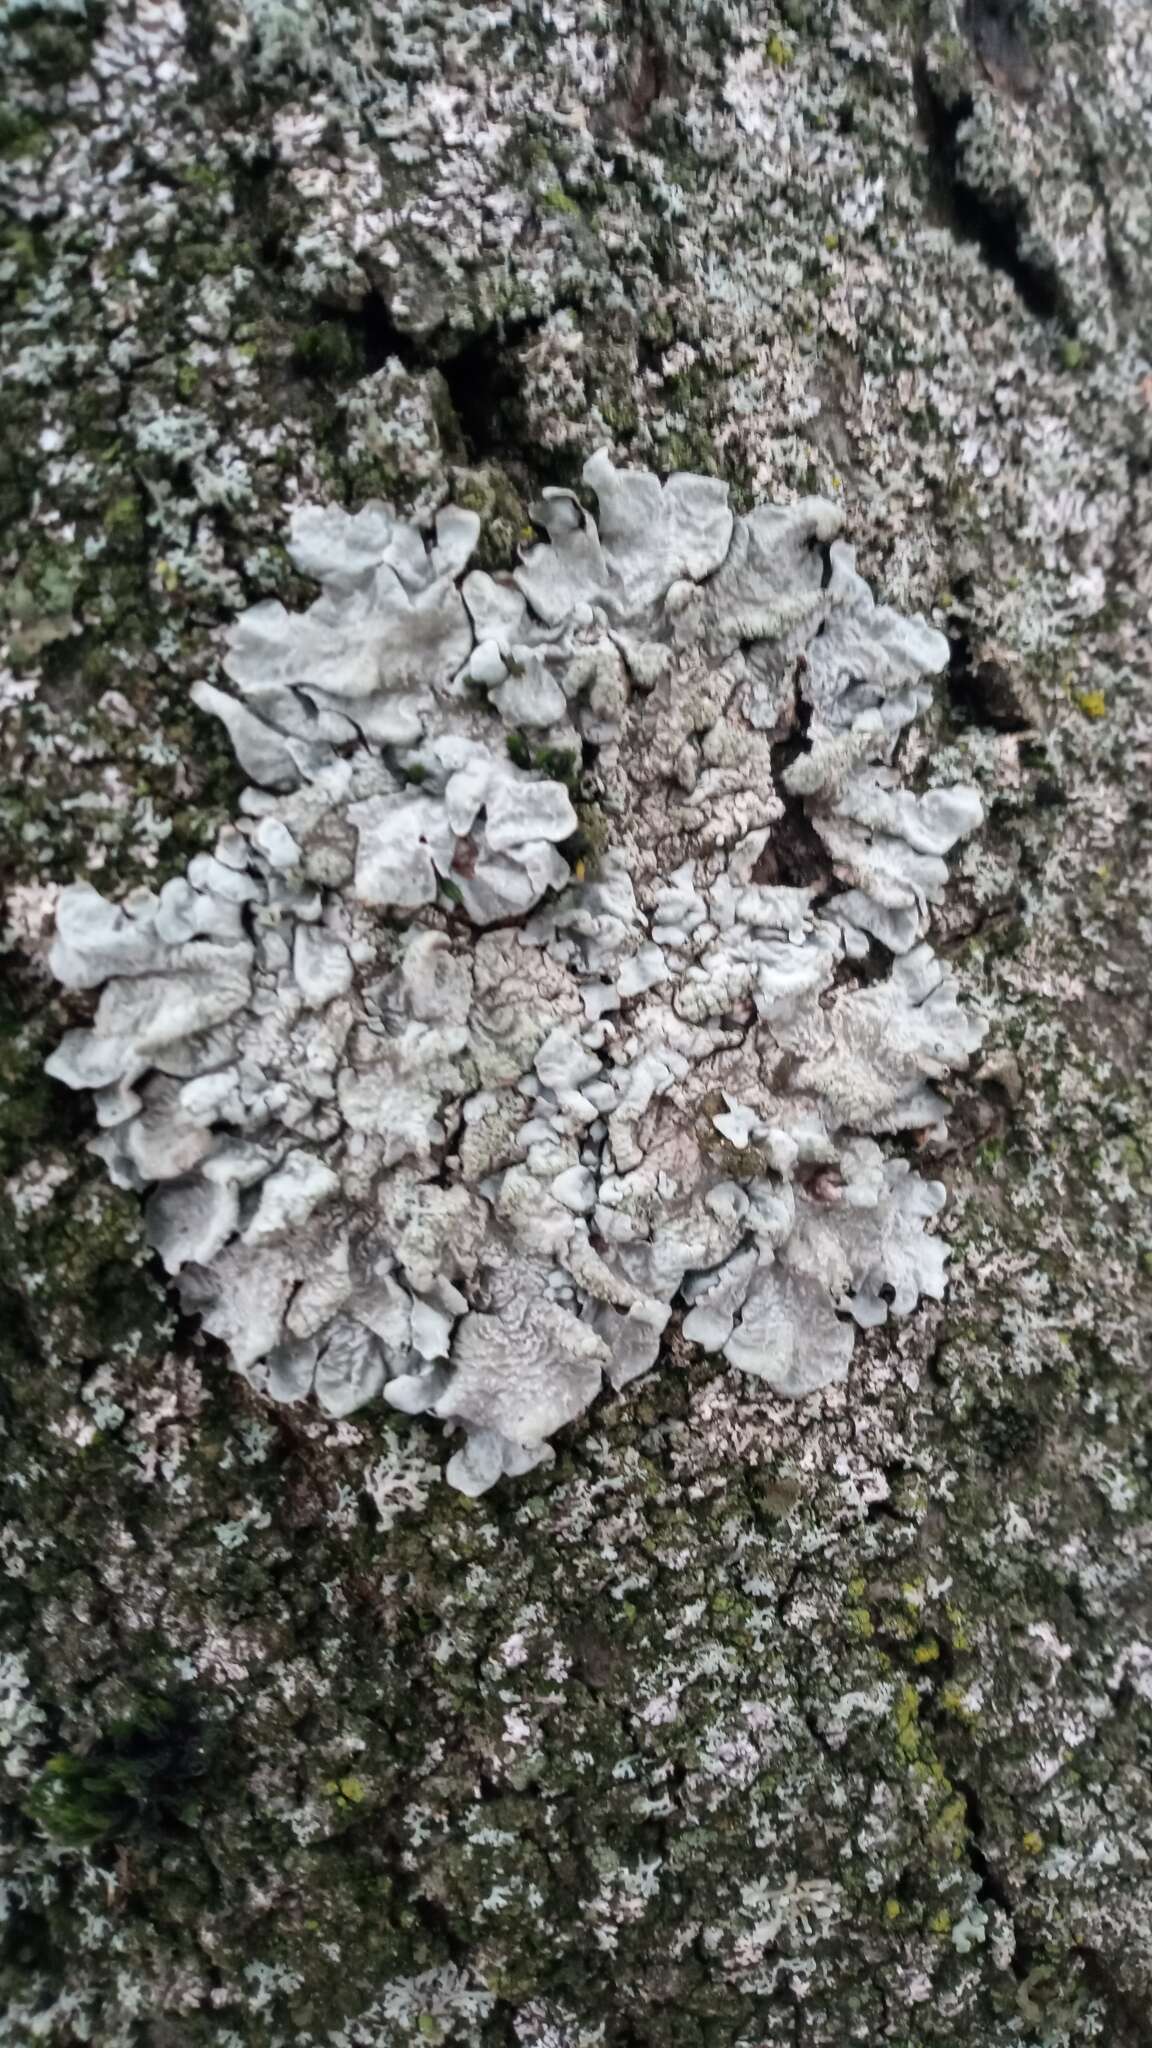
428,1099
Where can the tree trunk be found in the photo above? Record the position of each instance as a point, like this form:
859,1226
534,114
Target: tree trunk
748,1722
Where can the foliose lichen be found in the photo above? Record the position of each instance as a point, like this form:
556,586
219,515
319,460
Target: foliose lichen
426,1103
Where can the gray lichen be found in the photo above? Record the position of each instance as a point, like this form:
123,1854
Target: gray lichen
420,1107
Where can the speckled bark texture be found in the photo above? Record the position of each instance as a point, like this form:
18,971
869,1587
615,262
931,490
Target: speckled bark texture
747,1722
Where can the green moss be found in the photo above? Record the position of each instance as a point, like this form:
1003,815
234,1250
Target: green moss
27,1096
20,131
77,1263
621,414
559,764
39,600
49,46
748,1162
21,250
77,1804
491,494
143,1770
124,522
594,839
327,351
690,448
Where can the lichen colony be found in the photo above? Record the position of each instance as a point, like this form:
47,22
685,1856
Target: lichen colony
560,974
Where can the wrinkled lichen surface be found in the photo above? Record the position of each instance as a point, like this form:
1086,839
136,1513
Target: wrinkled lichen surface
426,1110
748,1721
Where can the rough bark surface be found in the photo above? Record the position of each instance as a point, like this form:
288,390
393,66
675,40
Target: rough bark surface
749,1722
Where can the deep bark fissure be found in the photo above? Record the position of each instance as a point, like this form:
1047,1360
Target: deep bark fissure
997,222
981,692
482,371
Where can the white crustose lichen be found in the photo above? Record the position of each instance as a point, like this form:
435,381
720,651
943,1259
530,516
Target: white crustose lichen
563,968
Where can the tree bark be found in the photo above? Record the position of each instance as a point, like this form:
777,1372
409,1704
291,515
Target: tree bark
747,1723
